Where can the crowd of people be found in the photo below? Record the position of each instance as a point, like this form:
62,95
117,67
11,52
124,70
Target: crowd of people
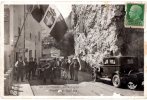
52,69
25,69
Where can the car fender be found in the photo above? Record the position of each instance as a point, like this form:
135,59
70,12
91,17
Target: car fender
116,72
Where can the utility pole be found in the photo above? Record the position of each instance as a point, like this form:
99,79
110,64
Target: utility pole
24,31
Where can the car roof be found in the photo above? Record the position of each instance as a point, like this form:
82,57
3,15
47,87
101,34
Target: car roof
121,57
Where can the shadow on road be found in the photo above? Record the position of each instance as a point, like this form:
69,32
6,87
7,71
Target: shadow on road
139,88
83,77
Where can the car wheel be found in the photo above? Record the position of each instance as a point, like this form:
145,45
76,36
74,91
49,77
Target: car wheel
131,85
116,81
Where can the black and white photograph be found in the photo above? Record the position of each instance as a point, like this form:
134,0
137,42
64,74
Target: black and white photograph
72,50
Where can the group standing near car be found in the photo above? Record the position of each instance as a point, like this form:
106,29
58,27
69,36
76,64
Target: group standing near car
53,70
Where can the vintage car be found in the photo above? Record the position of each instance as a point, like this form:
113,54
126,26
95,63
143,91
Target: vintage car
122,70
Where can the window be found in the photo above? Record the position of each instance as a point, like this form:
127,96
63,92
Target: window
35,53
130,61
30,36
38,36
30,53
112,61
106,62
6,26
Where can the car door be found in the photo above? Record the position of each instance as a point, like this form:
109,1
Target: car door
109,67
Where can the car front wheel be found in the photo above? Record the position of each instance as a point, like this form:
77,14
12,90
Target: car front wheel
116,81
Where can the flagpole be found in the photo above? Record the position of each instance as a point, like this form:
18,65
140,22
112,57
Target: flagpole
24,32
21,30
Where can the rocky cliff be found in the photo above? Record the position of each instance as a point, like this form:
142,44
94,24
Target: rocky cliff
99,30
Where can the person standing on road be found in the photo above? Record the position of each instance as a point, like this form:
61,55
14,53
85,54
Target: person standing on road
52,71
26,67
31,65
55,70
38,70
67,66
45,72
64,69
34,67
19,65
76,68
58,65
71,69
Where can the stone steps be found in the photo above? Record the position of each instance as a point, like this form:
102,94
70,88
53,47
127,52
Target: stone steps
22,89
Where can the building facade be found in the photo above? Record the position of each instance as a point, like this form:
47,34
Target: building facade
21,35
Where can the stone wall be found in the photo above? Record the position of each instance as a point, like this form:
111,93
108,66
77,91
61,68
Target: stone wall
99,29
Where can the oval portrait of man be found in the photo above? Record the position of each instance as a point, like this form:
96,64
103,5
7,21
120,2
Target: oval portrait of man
135,15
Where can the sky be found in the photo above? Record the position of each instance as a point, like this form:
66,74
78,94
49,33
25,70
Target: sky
64,9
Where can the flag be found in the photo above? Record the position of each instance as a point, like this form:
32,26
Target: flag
37,11
51,19
59,29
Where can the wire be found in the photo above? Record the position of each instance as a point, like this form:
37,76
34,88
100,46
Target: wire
21,30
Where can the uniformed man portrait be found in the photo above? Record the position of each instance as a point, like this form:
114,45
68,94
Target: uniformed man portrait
135,15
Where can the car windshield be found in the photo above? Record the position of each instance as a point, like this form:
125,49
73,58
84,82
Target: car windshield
110,61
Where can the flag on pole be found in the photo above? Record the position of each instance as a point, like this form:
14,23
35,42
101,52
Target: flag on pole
37,11
50,18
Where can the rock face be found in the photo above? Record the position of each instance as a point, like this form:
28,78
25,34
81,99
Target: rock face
99,29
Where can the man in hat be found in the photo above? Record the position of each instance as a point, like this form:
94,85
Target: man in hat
31,65
58,66
71,69
65,68
34,67
19,65
52,70
76,66
26,67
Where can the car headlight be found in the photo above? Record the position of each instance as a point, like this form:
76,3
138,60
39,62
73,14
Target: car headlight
142,83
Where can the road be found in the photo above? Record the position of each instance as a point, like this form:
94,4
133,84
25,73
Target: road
84,87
